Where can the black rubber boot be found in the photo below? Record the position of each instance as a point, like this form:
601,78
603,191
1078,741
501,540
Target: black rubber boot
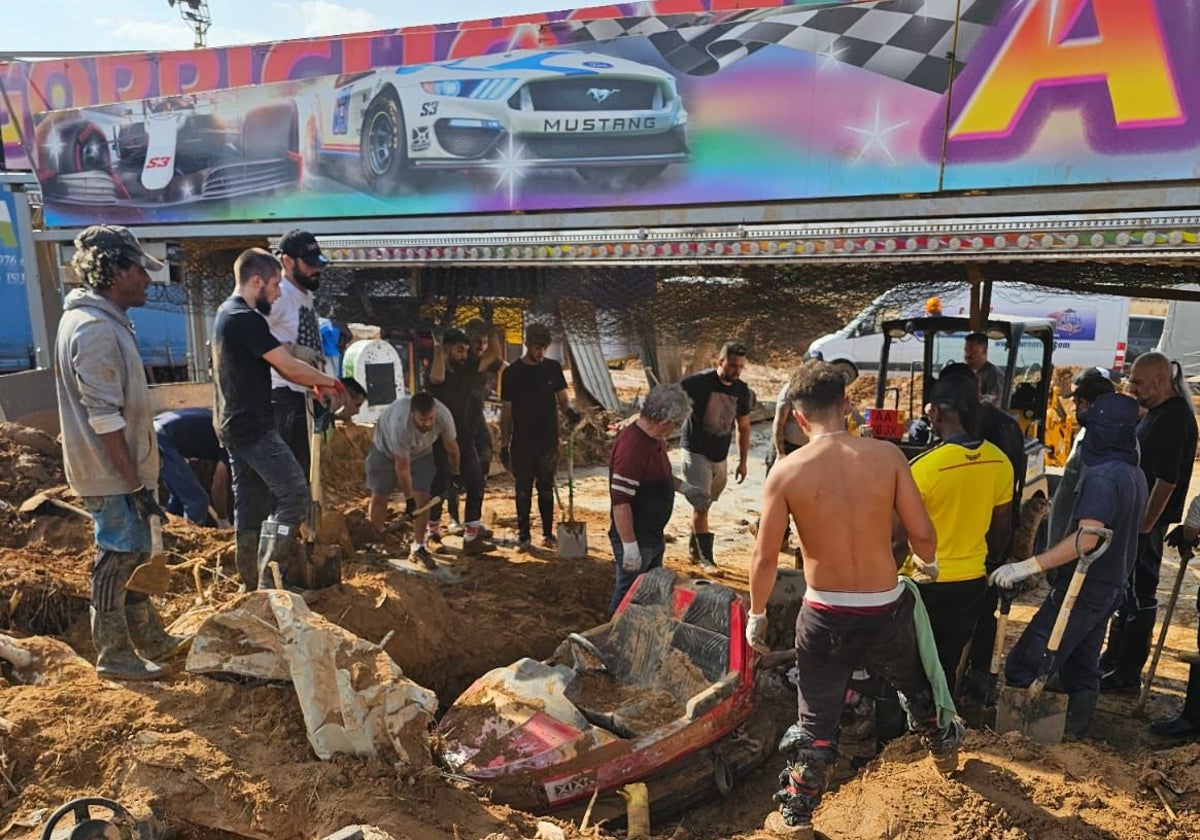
245,557
115,656
148,635
276,543
1080,706
1133,652
704,542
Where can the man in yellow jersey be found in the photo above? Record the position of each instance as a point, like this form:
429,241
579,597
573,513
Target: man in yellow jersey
967,486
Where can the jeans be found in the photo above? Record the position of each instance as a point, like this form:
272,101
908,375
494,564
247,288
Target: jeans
1078,658
261,469
530,468
291,421
175,472
652,557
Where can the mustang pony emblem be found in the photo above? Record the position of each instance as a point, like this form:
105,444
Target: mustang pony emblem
601,94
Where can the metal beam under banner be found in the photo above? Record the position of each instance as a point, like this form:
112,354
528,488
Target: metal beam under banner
1128,237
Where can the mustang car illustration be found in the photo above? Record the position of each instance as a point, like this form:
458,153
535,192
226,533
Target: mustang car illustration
616,122
166,151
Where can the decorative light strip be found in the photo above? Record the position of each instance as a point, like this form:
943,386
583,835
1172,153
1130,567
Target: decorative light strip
1074,238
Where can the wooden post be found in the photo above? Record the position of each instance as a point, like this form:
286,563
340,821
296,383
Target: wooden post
981,296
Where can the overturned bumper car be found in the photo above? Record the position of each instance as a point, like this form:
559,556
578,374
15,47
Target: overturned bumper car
662,694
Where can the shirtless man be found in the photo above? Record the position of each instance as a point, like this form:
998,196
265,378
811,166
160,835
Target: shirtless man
855,614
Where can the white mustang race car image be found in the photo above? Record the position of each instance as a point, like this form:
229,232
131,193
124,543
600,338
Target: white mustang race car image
616,122
168,151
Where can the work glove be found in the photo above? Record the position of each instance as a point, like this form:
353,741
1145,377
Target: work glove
1179,539
437,334
925,572
1008,576
456,484
506,458
573,416
631,557
696,497
146,505
335,396
756,632
410,507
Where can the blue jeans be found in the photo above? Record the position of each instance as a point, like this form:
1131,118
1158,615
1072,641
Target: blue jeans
652,557
186,491
118,526
263,469
1078,659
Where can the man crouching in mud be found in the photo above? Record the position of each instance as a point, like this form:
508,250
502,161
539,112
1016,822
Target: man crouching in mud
855,612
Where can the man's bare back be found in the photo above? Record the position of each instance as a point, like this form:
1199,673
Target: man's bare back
842,491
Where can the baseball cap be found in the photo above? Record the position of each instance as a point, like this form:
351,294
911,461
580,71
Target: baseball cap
538,334
302,245
117,240
1090,384
455,336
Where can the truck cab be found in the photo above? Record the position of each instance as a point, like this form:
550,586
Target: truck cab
1022,348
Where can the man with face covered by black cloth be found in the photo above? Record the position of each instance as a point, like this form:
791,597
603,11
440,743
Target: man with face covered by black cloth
293,322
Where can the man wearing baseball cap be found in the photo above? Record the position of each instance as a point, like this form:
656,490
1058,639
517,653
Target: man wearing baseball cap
293,322
110,452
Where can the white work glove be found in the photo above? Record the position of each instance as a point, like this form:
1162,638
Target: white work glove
1008,576
631,557
696,497
756,632
925,572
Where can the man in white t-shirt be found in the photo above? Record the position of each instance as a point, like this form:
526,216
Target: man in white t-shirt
293,322
401,460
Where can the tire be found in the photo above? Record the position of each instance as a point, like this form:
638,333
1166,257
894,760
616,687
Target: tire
382,147
848,369
619,177
270,133
85,149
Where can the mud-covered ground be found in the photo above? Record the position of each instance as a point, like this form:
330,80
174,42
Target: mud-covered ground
215,759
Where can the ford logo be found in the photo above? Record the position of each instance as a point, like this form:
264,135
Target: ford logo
599,65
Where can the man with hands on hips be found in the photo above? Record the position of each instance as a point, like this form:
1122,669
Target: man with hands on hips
642,488
1112,494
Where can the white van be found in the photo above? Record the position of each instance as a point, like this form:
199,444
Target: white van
1180,338
1090,330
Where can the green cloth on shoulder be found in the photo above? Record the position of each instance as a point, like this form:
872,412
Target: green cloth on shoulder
929,656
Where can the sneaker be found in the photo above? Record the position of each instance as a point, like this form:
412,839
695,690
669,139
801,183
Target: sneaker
433,537
485,532
455,528
1114,684
549,541
477,545
1179,728
777,824
524,544
421,555
708,566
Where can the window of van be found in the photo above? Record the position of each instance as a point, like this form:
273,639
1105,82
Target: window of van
1144,333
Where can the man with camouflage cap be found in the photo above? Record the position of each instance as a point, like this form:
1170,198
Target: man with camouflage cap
110,453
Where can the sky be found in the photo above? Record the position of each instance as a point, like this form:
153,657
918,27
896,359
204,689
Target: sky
133,25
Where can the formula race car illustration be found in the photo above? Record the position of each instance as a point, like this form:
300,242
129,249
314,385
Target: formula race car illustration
167,151
663,693
616,122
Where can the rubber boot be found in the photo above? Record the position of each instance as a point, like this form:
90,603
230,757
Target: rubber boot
704,542
115,656
148,635
1080,706
246,559
276,543
1133,653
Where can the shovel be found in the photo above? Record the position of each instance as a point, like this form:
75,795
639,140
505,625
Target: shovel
318,570
154,576
1004,604
572,535
1185,554
1043,717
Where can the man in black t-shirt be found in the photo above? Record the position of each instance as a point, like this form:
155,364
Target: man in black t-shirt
1167,439
533,390
455,379
244,352
720,402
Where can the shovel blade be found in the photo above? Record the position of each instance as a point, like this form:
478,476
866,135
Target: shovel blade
1042,719
572,540
151,578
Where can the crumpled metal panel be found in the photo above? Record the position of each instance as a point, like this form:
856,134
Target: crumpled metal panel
589,371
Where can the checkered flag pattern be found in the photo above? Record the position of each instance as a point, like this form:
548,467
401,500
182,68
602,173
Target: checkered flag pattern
911,41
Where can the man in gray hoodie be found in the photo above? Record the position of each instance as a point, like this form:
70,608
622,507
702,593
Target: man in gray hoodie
109,449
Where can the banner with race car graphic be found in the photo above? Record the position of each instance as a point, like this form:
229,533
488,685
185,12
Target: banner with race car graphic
681,102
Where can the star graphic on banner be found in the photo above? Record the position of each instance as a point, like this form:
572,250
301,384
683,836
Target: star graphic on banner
510,166
876,135
829,56
54,147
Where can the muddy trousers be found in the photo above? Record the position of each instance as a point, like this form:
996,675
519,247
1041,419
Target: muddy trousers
830,646
532,469
1132,626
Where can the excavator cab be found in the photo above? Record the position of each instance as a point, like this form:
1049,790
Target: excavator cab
1022,350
